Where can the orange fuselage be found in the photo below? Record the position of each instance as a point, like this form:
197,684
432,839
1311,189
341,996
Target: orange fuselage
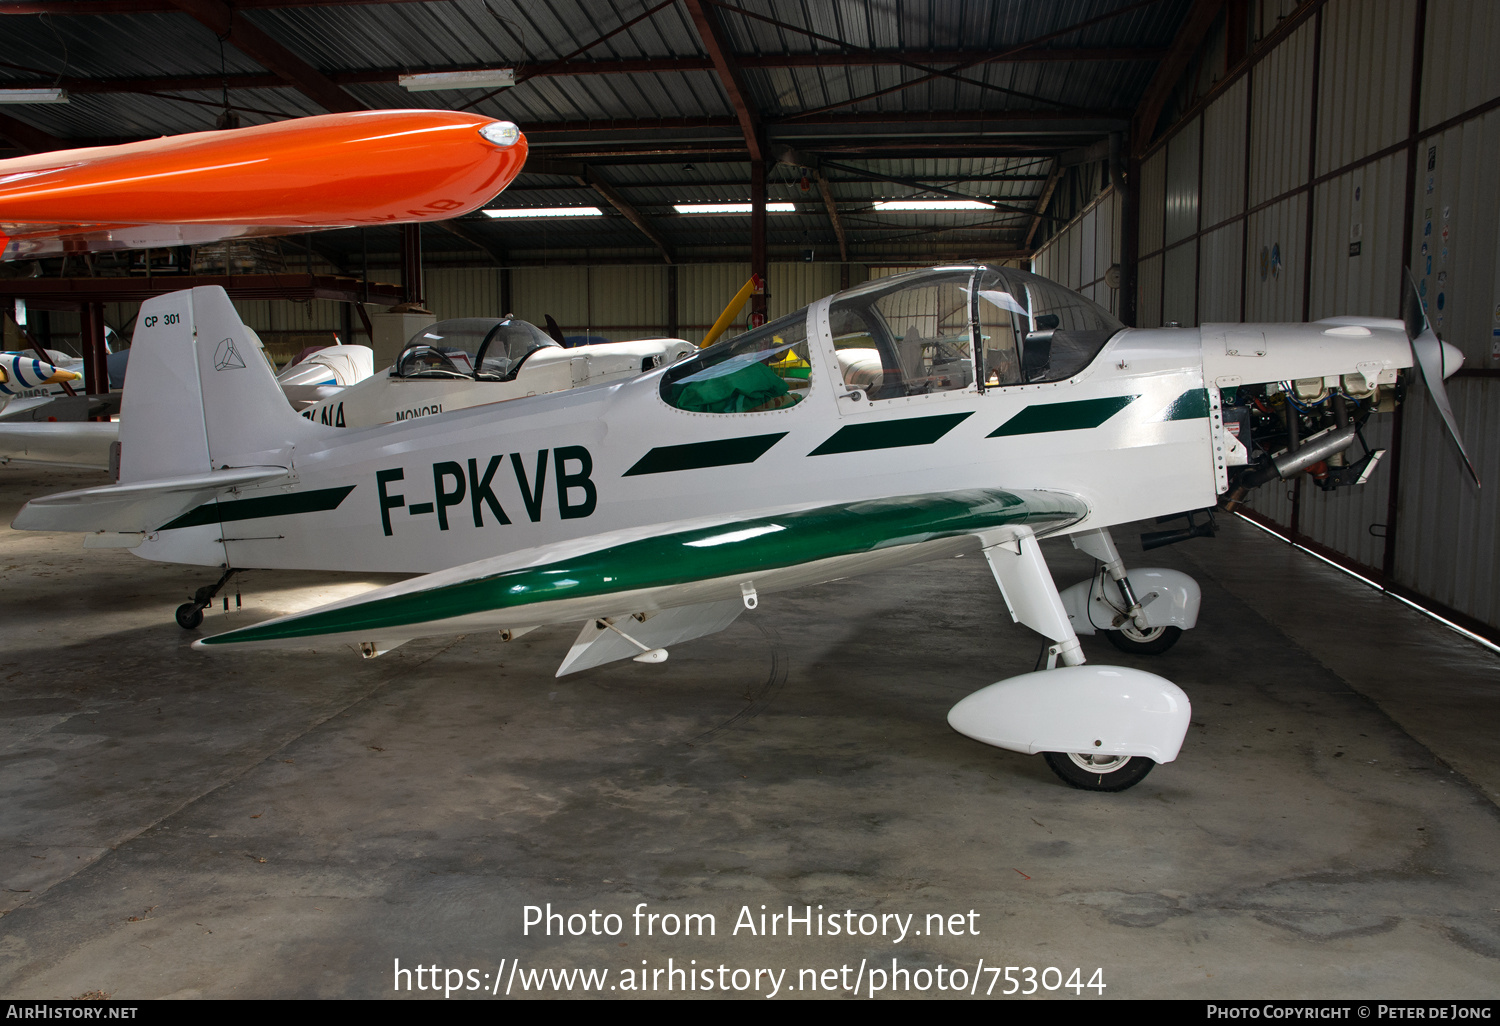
337,170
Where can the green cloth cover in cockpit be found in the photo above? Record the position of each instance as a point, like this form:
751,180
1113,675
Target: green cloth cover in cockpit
742,389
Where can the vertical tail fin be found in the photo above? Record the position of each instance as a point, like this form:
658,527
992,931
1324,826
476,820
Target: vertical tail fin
200,394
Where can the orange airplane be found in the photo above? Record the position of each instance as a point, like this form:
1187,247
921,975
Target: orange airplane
333,171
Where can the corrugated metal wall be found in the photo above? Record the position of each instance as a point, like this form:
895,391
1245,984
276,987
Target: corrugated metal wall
1311,222
1082,253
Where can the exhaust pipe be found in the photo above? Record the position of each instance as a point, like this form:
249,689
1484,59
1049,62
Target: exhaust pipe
1316,449
1291,463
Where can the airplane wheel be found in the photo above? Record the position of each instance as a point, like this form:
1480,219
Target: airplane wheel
1099,772
189,616
1153,641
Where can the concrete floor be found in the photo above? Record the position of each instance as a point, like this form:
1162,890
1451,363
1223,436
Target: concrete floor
253,825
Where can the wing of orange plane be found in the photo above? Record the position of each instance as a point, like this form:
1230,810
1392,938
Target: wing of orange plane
308,174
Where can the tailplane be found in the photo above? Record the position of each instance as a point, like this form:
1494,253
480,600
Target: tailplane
201,395
202,414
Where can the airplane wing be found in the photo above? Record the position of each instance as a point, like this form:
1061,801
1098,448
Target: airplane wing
700,569
65,443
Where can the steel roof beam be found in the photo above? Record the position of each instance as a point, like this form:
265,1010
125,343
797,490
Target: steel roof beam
591,179
833,215
1043,200
1190,36
569,69
458,229
232,27
717,45
165,6
994,58
28,139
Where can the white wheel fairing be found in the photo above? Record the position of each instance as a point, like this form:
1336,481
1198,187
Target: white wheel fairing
1100,710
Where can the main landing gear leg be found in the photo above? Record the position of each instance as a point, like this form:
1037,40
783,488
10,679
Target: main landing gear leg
190,614
1129,630
1101,728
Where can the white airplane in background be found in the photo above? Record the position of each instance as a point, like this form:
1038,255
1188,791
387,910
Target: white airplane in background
469,361
656,509
451,365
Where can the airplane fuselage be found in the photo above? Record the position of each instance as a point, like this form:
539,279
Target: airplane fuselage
1131,434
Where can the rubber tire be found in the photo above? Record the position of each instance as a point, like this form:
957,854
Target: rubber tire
189,616
1151,643
1131,772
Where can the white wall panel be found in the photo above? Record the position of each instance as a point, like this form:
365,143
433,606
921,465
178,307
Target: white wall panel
1181,218
1280,111
463,292
1342,519
1458,223
1153,200
1148,291
1219,273
1274,293
1224,154
1180,285
1362,210
795,285
1446,537
632,297
1459,69
1364,79
1088,228
559,291
703,290
1270,13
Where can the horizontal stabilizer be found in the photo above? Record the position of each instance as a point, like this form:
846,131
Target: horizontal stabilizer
597,645
135,507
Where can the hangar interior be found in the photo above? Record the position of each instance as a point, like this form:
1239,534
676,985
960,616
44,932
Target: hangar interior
179,825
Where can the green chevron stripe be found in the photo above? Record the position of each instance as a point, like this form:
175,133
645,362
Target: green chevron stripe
683,557
665,459
316,501
889,434
1074,416
1190,405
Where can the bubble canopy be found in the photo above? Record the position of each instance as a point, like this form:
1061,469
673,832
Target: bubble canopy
477,348
936,330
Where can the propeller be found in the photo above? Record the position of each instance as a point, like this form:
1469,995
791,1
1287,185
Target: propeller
1435,360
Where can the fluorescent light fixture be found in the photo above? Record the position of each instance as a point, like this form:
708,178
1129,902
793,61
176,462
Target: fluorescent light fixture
519,212
53,95
731,208
933,205
486,78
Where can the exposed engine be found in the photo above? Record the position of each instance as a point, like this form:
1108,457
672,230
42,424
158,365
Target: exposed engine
1304,426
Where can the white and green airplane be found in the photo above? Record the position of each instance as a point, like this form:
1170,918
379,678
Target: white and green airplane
906,419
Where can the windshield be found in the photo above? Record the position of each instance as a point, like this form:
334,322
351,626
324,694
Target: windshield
769,368
482,348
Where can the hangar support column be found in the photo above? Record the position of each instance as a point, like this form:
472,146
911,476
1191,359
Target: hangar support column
411,263
95,353
758,236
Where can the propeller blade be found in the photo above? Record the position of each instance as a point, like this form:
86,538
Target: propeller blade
1435,360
